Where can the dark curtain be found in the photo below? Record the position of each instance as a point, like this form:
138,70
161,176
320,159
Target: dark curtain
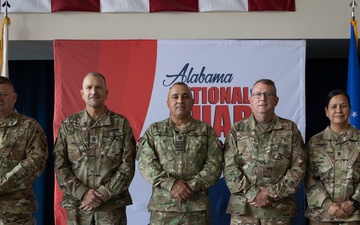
34,83
322,76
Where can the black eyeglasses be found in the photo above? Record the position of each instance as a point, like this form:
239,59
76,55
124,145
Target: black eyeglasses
258,95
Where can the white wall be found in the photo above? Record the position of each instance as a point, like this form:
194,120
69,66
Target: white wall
313,19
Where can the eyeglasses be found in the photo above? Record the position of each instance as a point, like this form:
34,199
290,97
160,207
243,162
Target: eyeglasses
258,95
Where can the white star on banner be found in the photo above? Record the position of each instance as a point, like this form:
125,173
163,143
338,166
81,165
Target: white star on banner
354,114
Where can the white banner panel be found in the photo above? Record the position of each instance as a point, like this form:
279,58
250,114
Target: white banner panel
221,74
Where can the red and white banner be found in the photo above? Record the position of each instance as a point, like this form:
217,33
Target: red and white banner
140,72
50,6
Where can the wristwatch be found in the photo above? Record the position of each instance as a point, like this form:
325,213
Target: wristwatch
355,203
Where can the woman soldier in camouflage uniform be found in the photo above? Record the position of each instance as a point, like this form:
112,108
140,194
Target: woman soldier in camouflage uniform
333,173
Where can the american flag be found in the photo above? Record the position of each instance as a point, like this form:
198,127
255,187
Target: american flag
149,6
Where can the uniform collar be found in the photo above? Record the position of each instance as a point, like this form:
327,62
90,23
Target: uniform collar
351,134
11,120
102,121
275,121
190,126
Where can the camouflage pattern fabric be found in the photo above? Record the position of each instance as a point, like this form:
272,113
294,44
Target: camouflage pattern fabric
333,173
114,216
274,158
95,154
199,162
174,218
17,219
312,222
23,154
243,220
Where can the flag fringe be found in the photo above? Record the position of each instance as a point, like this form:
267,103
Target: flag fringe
353,23
6,21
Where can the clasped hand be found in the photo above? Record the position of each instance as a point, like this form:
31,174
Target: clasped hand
181,190
262,199
341,210
91,200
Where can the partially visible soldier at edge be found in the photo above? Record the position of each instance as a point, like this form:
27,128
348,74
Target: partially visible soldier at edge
181,158
265,162
95,159
333,174
23,154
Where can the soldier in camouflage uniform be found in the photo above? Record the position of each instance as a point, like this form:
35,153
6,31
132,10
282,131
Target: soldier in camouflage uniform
333,174
265,162
95,160
181,157
23,154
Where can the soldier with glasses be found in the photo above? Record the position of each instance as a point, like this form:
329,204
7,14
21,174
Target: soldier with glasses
265,162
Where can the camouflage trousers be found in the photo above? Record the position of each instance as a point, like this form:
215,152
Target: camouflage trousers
246,220
312,222
175,218
16,219
115,216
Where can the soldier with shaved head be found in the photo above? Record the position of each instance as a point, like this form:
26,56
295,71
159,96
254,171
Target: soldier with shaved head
95,159
181,158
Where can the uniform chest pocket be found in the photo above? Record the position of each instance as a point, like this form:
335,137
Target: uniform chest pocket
197,148
113,145
245,149
165,149
351,154
280,149
322,164
10,142
76,148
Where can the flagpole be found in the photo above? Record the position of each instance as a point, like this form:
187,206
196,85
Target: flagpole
353,21
352,5
353,81
5,41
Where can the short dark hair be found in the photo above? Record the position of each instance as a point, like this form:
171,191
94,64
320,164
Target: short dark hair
334,93
266,82
96,74
182,84
5,80
179,83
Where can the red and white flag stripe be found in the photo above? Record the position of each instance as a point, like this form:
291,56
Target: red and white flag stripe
51,6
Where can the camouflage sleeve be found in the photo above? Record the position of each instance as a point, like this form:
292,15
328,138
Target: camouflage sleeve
121,180
316,194
29,169
149,165
234,177
65,177
212,168
356,194
292,179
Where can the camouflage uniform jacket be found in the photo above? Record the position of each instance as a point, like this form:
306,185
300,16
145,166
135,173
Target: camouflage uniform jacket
200,163
23,154
96,155
274,158
333,173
